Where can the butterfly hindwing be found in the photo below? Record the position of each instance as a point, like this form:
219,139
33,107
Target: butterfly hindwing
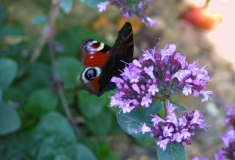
89,79
94,55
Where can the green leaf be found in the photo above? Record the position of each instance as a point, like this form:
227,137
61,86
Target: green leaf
80,152
91,105
71,41
11,39
14,94
115,128
90,143
0,96
162,112
145,141
40,73
11,30
66,5
53,135
15,146
131,122
154,108
8,69
2,13
101,124
174,151
9,119
105,152
39,19
70,98
61,157
41,102
180,107
110,155
92,3
69,70
104,149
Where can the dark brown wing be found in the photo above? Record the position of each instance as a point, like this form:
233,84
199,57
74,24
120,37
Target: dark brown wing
124,44
120,54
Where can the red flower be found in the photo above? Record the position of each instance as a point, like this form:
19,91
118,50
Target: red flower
201,18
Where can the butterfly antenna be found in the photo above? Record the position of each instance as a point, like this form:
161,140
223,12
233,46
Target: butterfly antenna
158,40
124,62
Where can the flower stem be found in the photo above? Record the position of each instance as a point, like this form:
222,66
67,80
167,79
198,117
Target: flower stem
207,3
165,109
53,12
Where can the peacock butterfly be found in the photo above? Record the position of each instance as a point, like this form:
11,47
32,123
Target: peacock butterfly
103,62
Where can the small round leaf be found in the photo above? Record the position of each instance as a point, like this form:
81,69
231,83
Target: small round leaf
39,19
69,70
81,152
91,105
66,5
40,102
101,124
9,119
173,151
131,122
61,157
8,69
53,135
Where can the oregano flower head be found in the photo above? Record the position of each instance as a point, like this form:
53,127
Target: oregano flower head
228,151
174,129
156,76
130,7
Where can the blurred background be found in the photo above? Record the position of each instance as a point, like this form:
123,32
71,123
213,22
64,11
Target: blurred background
33,123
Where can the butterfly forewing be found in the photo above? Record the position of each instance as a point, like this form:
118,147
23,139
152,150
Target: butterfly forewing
124,44
120,54
94,53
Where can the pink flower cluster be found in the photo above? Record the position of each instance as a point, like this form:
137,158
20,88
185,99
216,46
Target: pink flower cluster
174,129
230,116
158,74
228,138
130,7
228,151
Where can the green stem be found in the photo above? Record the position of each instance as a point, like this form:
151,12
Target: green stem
53,12
165,109
207,2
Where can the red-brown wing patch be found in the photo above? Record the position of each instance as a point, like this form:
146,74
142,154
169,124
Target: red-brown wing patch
94,59
94,53
89,79
92,87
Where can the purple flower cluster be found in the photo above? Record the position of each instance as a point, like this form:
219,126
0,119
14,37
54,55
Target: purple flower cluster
203,158
228,138
227,152
130,7
174,129
158,74
230,116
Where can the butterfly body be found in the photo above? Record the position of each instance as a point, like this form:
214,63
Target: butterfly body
103,62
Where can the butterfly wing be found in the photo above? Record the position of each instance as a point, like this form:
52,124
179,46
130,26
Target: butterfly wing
94,55
120,54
